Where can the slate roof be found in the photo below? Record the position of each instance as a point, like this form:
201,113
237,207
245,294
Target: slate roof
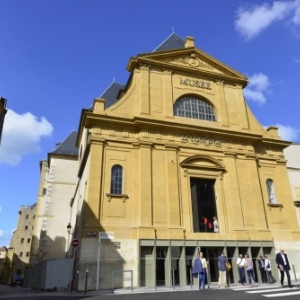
112,92
68,146
171,42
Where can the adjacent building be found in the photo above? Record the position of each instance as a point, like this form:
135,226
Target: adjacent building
58,178
3,111
162,155
21,241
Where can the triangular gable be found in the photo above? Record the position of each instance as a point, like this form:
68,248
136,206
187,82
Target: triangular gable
189,59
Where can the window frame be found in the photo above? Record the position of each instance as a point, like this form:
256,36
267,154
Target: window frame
116,180
194,107
271,191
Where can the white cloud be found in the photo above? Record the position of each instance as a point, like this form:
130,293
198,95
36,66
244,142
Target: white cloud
257,88
252,21
22,135
287,133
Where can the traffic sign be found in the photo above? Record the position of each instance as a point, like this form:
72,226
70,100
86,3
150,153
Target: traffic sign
75,243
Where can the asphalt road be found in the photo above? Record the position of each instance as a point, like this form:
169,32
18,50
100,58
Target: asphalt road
234,293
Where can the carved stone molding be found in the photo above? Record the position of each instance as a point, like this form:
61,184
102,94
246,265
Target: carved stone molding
109,196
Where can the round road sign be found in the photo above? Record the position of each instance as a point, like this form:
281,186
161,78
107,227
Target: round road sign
75,243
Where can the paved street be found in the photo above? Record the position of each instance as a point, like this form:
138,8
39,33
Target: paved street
233,293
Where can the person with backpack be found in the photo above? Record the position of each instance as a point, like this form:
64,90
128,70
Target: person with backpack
262,269
268,271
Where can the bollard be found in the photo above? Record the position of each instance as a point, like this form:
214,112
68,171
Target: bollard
173,279
294,273
86,279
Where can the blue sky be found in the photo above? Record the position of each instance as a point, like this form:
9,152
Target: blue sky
57,56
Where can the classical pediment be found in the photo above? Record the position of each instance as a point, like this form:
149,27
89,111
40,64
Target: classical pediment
204,162
186,60
192,61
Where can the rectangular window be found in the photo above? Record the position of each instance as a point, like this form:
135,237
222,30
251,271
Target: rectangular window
22,240
27,254
21,254
26,227
28,240
27,216
44,192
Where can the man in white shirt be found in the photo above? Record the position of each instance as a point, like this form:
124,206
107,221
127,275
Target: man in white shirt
241,269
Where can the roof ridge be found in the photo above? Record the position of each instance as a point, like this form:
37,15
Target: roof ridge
172,34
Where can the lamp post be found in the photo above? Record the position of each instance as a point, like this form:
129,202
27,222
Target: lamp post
69,227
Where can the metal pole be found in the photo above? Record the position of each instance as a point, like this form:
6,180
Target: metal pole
77,279
98,263
191,278
294,273
173,278
86,279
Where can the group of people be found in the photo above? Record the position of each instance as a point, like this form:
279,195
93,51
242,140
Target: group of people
245,266
210,226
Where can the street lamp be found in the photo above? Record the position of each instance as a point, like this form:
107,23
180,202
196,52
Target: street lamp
69,227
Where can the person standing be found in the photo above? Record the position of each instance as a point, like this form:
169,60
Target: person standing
284,266
241,269
198,270
249,270
216,225
203,275
222,260
268,271
261,265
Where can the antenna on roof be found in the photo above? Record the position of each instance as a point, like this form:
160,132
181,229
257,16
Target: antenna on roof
172,29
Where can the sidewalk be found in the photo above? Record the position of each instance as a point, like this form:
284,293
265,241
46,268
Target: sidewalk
144,290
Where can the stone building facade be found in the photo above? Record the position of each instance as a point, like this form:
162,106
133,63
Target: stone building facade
160,157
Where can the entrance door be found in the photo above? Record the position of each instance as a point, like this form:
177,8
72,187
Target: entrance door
203,204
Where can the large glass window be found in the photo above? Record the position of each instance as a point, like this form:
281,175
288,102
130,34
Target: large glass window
192,107
116,179
271,191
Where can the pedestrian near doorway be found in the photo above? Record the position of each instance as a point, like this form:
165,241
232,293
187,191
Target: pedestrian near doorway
284,266
198,270
268,271
249,270
241,269
203,276
262,269
222,260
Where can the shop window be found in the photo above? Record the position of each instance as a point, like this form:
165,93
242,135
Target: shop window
116,179
193,107
271,191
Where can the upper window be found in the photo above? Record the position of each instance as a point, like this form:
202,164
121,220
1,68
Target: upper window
192,107
271,191
116,179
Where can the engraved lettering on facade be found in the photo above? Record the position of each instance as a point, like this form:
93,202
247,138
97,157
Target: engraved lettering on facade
196,83
201,140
